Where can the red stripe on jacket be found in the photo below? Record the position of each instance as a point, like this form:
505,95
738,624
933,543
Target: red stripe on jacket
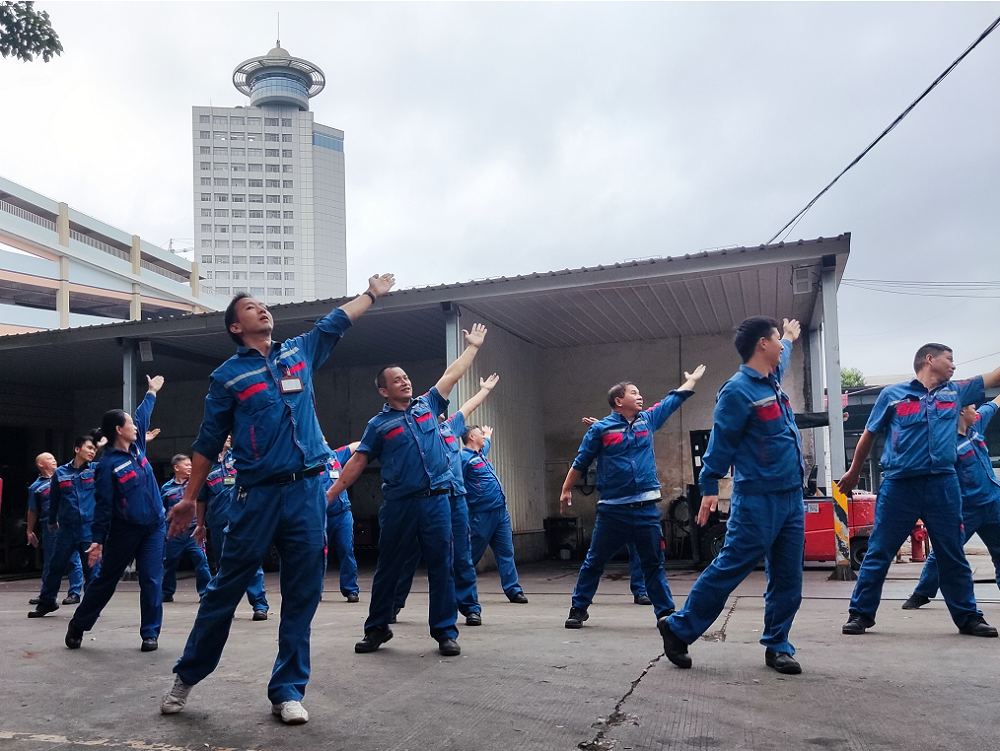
296,368
770,412
251,390
610,439
393,433
126,478
907,408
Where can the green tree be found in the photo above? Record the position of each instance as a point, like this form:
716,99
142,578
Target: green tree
852,378
25,32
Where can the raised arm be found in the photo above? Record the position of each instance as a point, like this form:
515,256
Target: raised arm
485,387
377,286
691,379
991,379
348,475
473,341
144,411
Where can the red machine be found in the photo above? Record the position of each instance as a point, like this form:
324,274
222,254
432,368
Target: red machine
820,536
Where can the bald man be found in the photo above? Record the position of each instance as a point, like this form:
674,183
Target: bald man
38,507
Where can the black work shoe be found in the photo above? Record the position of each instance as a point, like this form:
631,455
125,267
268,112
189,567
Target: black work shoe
673,647
352,597
449,648
782,662
642,600
576,618
260,615
34,601
42,609
857,623
168,598
149,644
395,612
72,599
915,601
74,636
519,598
976,625
374,638
473,619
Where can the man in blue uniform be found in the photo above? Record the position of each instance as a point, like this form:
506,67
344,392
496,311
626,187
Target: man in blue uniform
263,397
175,547
38,508
919,420
213,516
622,444
754,431
415,491
340,524
489,520
980,497
71,512
466,596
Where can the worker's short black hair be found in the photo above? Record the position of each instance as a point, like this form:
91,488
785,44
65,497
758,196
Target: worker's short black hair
618,392
178,458
380,376
468,432
86,438
230,318
931,349
751,331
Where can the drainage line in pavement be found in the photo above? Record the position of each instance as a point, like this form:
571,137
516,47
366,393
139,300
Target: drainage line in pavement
616,718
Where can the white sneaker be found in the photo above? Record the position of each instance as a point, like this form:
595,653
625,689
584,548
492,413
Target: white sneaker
291,712
174,701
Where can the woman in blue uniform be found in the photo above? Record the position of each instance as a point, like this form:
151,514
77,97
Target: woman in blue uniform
128,523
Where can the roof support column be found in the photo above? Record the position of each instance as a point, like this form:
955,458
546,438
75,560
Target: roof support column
62,224
62,295
814,341
452,340
135,307
130,359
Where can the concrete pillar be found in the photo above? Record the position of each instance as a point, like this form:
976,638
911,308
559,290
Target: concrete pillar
453,346
130,358
136,256
62,296
815,343
135,308
195,281
831,337
62,224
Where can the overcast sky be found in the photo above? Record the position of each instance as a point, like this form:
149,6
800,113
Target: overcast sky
495,139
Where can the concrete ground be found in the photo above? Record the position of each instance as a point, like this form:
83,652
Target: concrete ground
522,681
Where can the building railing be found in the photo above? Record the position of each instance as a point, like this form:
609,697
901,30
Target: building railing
41,221
125,255
164,272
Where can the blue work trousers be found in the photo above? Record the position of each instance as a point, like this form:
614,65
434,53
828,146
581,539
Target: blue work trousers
983,520
294,517
75,570
769,526
125,542
937,500
428,522
256,595
70,539
173,549
466,597
636,580
492,527
340,538
616,526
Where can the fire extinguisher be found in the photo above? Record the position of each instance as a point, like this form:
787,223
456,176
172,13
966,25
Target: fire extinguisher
918,539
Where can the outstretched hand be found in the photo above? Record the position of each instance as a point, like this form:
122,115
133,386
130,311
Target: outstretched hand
589,420
487,432
380,285
489,383
151,434
155,383
696,375
475,337
792,329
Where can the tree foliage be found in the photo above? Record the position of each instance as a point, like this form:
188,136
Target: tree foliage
851,378
25,32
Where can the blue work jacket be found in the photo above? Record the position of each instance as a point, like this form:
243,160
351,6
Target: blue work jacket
38,497
334,466
71,495
451,431
626,466
171,492
483,490
218,491
979,483
412,452
126,486
274,433
920,425
753,430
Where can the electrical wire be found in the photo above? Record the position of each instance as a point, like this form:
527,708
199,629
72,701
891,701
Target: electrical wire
795,219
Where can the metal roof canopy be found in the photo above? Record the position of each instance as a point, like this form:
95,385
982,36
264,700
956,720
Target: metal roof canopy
709,292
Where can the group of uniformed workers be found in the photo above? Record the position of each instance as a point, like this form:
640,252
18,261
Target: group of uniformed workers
289,490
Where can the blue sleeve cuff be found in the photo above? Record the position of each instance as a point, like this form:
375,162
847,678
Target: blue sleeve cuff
335,322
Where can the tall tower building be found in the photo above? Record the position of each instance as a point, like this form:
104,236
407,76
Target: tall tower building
269,187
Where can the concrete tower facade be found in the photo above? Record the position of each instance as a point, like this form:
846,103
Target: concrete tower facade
269,187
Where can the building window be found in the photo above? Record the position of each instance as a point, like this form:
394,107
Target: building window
239,182
254,137
239,243
288,230
205,166
256,198
236,121
222,212
256,276
203,119
239,168
286,153
206,181
206,212
221,150
204,135
237,290
273,214
221,167
287,185
271,121
274,260
222,243
221,182
239,260
237,137
273,246
286,137
221,197
286,122
206,228
286,168
289,246
256,260
239,213
238,197
256,229
273,199
274,291
222,228
256,245
274,276
206,259
255,152
204,150
256,183
289,261
222,275
208,274
288,199
220,136
271,152
222,259
222,290
240,274
289,292
273,184
289,276
272,230
256,214
253,121
220,120
206,196
256,290
328,142
240,228
289,215
270,136
255,168
206,244
272,168
238,152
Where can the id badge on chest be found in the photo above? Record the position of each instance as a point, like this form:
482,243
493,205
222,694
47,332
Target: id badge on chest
229,481
290,385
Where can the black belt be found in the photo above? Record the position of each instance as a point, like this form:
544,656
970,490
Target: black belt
289,478
432,492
